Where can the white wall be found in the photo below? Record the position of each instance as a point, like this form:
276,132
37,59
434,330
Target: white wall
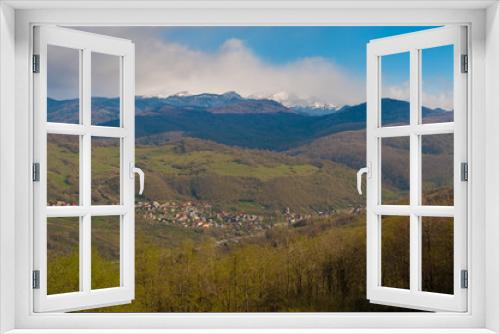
492,211
7,113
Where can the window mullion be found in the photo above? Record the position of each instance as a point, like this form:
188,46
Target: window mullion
85,160
415,254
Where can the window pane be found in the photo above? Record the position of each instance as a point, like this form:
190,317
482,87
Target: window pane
105,90
63,165
63,236
396,252
437,84
63,85
105,171
395,78
437,255
437,169
105,252
395,166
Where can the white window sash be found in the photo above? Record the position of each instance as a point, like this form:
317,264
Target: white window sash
86,43
414,297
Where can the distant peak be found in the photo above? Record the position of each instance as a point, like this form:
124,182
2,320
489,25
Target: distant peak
182,93
320,105
232,94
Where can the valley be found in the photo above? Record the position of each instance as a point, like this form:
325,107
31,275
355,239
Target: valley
243,211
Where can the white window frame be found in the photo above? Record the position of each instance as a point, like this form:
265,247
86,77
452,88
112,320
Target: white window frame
84,43
483,18
413,44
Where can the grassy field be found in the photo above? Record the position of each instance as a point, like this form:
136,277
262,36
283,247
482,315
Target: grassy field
169,161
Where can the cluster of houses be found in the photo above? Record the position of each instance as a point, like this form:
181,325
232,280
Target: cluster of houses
295,218
60,203
198,215
204,216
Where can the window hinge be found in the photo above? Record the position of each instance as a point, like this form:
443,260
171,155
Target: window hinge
36,279
36,63
36,172
464,171
465,64
464,279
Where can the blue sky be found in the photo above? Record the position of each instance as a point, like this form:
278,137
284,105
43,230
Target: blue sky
294,65
278,45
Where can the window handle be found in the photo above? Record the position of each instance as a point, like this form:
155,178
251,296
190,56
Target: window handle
364,170
134,170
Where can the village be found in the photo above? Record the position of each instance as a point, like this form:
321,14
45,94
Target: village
203,216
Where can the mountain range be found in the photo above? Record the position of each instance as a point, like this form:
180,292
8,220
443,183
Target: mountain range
231,119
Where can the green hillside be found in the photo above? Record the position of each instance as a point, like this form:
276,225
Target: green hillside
317,176
227,229
193,169
349,148
228,176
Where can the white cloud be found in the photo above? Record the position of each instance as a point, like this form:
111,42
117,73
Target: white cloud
398,92
165,68
442,99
